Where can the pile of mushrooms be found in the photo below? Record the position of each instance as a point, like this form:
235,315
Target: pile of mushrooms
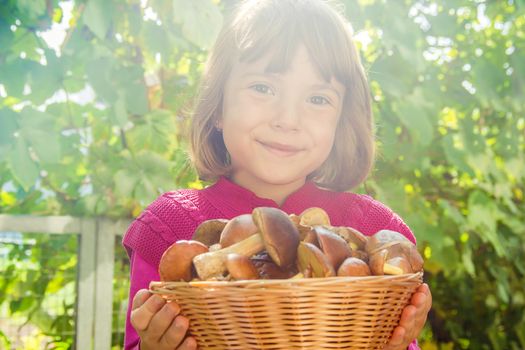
270,244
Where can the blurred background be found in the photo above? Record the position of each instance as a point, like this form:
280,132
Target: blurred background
94,99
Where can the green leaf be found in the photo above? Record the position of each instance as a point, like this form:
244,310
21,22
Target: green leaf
454,155
23,168
97,16
136,98
468,264
8,126
201,20
99,73
119,110
45,80
31,9
38,130
155,133
156,39
416,120
483,215
6,36
394,75
13,76
125,182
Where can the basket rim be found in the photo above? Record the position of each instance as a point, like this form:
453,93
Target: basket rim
289,282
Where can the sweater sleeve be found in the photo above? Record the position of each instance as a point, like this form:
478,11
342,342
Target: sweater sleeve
157,227
141,274
414,345
165,221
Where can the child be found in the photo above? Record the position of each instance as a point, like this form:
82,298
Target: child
283,120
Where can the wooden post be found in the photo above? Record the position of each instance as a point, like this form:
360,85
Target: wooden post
86,285
104,284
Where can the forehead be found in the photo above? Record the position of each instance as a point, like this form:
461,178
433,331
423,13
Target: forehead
274,62
301,68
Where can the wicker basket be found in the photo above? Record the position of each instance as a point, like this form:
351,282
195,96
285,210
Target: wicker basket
306,313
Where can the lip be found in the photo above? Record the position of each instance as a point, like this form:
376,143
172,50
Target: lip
280,148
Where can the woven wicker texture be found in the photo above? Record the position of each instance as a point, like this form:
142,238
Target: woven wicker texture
307,313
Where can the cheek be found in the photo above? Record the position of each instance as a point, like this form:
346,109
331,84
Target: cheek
325,132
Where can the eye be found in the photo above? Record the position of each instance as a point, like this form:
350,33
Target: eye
319,100
262,89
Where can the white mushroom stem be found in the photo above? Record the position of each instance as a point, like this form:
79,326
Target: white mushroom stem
212,264
389,269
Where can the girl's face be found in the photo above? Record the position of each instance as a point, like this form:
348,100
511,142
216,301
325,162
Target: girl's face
279,127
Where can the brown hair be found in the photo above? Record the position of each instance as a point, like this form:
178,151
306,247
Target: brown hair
280,26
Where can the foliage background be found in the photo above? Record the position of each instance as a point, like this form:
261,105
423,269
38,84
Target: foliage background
94,126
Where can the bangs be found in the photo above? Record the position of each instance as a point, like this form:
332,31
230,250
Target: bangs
281,33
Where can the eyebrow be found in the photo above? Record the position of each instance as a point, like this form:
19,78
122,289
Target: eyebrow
316,86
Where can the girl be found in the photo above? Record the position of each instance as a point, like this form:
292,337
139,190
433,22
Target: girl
284,120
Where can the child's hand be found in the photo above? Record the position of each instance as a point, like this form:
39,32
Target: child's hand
412,320
158,324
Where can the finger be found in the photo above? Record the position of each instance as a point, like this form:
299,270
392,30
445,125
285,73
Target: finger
141,316
189,344
408,322
397,338
161,322
140,298
407,316
422,300
176,332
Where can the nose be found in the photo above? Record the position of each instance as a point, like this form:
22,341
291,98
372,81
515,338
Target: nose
287,117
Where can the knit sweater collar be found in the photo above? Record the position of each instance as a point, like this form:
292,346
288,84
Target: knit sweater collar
226,195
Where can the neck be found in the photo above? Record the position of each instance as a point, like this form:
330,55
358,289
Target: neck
278,192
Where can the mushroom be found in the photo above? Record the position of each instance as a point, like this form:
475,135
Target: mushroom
280,235
209,231
176,262
332,245
396,245
314,216
311,260
237,229
353,267
398,265
241,267
355,239
381,264
267,269
276,233
308,218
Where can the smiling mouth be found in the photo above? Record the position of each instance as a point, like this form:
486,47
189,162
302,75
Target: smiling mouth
280,149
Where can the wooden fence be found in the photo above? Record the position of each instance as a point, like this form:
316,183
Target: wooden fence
95,270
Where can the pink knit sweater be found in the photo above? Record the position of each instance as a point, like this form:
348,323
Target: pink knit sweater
175,215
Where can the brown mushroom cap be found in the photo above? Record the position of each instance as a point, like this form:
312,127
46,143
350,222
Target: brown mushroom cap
407,251
314,216
279,234
353,267
267,269
397,245
355,239
309,257
383,239
209,231
377,262
176,262
241,267
332,245
237,229
311,237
